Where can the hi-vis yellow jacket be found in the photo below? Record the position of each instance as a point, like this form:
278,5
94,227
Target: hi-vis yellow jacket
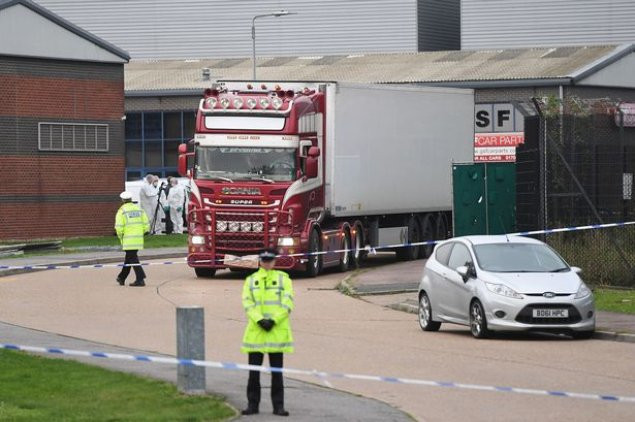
268,294
131,223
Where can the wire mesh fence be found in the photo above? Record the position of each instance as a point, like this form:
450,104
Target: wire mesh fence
577,168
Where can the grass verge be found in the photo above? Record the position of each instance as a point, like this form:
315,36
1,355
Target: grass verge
150,242
34,388
611,300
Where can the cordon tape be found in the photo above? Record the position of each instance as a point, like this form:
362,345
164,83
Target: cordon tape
320,374
369,249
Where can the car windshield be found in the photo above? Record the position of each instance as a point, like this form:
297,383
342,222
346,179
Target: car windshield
246,163
519,258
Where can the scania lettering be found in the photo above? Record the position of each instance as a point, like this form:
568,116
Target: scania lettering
320,167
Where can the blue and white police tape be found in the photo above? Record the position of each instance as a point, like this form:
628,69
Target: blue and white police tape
368,249
319,374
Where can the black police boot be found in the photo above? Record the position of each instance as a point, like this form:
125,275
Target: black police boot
121,281
138,283
280,412
251,410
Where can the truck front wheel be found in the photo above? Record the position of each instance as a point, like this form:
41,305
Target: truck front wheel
205,272
314,262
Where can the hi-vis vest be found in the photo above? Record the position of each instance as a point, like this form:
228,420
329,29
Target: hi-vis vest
130,224
268,294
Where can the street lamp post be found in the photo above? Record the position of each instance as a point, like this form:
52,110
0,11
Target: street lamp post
253,31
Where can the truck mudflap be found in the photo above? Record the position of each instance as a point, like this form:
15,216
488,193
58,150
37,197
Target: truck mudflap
236,233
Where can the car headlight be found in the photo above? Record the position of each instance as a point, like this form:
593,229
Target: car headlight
198,240
286,241
583,291
501,289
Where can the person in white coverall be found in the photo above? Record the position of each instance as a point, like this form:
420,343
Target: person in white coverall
148,197
176,198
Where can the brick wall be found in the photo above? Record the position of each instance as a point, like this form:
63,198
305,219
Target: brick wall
58,194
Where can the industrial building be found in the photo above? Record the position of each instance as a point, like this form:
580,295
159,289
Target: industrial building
506,24
61,126
193,29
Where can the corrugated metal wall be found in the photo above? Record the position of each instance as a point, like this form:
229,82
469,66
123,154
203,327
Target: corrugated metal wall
531,23
185,29
439,25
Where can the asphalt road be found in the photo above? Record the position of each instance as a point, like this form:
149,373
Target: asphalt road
337,333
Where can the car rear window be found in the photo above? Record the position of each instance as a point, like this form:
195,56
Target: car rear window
443,253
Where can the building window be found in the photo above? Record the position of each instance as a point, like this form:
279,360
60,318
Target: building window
152,141
73,137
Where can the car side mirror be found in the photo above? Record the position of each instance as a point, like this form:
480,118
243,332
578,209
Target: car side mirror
576,270
464,272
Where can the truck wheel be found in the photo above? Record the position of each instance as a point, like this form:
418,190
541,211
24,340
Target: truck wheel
408,253
358,253
314,262
442,228
427,233
345,256
205,272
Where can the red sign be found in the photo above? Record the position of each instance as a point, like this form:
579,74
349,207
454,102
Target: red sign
510,139
497,147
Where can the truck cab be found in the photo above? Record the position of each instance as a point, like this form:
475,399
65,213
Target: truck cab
256,174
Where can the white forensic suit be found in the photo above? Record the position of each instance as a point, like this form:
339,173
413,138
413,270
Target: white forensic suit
176,199
148,196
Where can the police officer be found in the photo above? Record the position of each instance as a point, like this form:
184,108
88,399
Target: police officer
131,223
268,301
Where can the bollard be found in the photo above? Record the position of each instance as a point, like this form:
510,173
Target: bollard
190,344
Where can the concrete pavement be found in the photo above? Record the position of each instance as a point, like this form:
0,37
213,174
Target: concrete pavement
334,333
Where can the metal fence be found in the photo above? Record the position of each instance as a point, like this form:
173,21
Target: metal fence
576,168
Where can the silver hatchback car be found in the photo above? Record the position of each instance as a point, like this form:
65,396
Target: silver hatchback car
500,283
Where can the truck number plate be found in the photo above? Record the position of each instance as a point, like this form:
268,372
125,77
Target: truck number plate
248,261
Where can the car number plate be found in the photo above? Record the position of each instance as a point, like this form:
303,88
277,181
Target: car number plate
249,261
551,313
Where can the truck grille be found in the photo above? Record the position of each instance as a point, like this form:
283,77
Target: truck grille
525,316
239,231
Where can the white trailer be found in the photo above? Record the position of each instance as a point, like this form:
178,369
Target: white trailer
389,149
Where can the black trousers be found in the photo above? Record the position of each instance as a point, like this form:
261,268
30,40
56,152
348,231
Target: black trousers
132,258
277,386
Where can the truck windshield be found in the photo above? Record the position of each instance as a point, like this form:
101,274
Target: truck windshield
246,163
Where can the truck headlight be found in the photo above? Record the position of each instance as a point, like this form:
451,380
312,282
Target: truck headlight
234,226
221,226
198,240
583,291
258,227
286,241
501,289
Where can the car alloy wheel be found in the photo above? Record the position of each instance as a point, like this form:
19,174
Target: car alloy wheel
425,315
478,322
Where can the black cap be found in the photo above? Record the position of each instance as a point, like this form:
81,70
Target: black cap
267,255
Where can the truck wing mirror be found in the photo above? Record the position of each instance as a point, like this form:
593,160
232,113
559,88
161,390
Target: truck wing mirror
314,152
182,165
311,167
304,147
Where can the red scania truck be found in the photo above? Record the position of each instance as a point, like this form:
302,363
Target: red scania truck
319,167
